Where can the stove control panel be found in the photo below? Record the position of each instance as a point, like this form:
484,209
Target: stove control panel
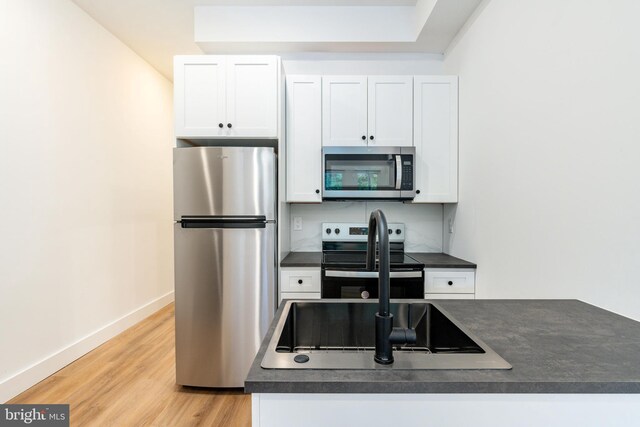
357,232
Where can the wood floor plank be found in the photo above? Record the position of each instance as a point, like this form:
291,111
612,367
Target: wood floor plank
130,381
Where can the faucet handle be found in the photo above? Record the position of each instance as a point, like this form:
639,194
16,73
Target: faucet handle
403,336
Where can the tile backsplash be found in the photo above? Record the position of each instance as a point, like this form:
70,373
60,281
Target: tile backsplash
423,223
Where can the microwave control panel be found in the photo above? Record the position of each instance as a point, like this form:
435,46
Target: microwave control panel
407,173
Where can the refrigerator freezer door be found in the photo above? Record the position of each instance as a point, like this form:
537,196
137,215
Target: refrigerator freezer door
224,181
224,299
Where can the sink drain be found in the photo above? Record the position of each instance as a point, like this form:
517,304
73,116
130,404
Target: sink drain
301,358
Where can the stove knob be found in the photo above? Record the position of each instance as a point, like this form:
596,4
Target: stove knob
398,231
328,230
337,231
390,231
364,295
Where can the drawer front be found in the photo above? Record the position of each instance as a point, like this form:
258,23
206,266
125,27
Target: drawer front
299,295
300,280
449,281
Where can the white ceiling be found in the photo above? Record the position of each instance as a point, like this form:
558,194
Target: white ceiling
159,29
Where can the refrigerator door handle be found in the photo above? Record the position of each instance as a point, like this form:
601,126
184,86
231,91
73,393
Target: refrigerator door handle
224,218
223,225
224,222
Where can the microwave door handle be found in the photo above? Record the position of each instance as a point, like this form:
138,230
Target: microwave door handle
398,172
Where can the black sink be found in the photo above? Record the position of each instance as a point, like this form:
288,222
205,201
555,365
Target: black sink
339,334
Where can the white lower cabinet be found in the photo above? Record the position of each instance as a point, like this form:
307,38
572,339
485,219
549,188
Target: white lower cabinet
441,283
299,283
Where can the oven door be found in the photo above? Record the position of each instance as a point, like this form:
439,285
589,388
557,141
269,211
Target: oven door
368,173
364,284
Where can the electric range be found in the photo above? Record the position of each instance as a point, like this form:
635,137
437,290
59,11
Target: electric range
344,273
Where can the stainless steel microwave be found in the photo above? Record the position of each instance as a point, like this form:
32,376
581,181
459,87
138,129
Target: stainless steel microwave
368,173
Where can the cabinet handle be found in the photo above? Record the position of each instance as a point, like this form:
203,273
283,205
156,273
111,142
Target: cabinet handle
450,283
317,191
417,191
371,137
364,138
299,281
220,125
229,125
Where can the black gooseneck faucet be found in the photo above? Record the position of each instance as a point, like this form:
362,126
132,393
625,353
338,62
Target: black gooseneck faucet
386,334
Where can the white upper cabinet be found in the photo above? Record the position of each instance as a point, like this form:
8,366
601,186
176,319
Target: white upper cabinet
374,110
390,112
304,138
199,95
344,110
436,138
252,96
226,96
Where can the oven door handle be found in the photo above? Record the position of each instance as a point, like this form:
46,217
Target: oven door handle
370,274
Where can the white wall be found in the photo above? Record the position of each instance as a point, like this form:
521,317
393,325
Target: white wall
549,151
85,184
362,63
305,23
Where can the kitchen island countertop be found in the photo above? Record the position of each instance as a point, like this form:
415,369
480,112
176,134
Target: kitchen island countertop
554,346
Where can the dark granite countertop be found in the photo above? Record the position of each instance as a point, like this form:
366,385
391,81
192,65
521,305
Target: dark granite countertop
302,259
440,260
429,259
554,346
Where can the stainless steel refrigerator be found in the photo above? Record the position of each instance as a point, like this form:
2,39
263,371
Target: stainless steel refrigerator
225,254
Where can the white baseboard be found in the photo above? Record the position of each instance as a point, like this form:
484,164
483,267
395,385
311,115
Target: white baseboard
35,373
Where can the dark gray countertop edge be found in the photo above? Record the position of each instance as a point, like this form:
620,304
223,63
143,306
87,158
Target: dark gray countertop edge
299,264
453,266
443,387
429,259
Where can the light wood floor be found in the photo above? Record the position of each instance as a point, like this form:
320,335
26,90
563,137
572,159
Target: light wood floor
130,381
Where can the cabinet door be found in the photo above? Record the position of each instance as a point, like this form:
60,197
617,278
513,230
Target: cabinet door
304,138
199,96
252,96
390,114
436,138
344,110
